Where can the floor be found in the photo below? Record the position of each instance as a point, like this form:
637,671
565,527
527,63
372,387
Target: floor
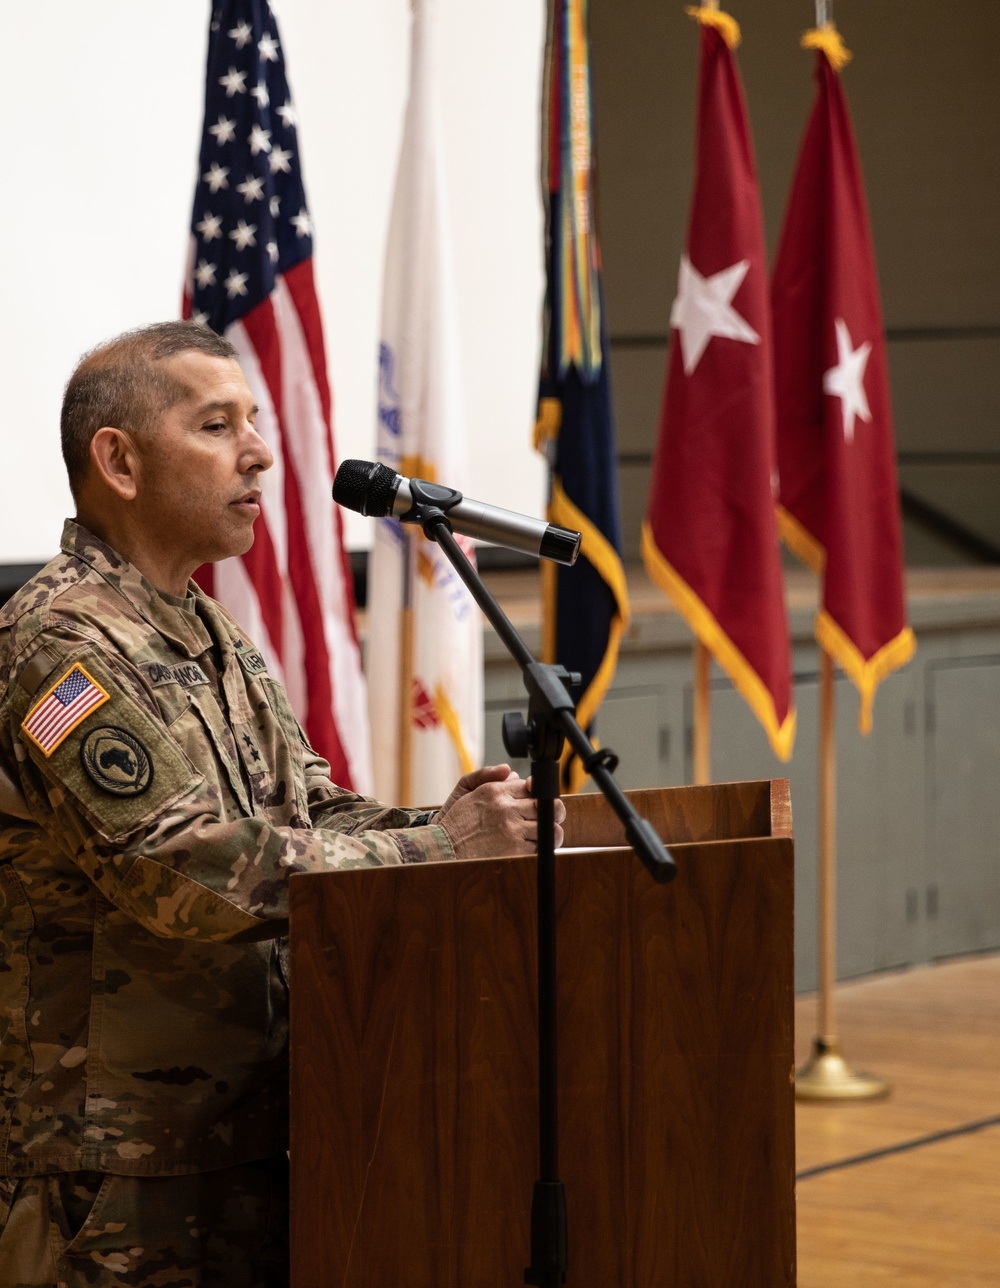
906,1191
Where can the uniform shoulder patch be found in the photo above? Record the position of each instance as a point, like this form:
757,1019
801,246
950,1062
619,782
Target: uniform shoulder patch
111,775
117,761
74,696
251,660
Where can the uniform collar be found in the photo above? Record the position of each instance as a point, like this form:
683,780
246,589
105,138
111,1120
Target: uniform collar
182,627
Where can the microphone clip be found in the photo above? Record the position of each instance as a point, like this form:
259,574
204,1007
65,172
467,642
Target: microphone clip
430,505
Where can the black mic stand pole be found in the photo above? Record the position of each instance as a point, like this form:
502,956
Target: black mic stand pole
550,720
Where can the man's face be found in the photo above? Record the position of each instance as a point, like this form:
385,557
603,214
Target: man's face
199,466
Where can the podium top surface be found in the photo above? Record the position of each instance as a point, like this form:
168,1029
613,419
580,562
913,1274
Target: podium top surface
686,815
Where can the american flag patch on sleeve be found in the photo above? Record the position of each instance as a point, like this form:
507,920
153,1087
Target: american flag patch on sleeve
65,705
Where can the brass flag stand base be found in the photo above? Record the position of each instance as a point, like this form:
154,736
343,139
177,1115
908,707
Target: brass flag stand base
826,1076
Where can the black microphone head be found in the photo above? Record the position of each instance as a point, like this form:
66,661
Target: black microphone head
365,487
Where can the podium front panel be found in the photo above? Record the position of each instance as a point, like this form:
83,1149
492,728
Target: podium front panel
414,1067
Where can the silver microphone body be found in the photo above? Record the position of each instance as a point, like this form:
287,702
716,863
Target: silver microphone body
373,489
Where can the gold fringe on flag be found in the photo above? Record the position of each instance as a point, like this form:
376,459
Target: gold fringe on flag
866,674
724,23
799,541
703,622
829,40
598,551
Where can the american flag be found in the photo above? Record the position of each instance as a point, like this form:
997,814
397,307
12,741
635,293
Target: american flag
250,278
65,706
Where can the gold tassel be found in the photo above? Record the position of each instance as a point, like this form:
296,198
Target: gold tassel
727,26
549,422
830,41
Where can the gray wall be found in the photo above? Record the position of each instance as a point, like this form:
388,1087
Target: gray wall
918,811
924,89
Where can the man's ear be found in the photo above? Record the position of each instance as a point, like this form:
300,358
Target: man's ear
113,456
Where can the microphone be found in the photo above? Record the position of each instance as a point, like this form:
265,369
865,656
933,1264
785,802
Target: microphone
374,490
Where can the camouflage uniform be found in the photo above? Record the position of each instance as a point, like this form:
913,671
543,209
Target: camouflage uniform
143,866
65,1230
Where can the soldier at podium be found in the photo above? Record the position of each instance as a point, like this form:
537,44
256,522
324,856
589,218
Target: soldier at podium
156,792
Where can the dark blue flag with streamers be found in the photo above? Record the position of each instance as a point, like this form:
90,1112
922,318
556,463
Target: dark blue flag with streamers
585,607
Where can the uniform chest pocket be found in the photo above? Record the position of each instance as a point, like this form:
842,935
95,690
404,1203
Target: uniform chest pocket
200,729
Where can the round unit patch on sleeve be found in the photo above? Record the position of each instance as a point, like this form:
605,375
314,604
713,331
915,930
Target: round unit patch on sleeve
116,761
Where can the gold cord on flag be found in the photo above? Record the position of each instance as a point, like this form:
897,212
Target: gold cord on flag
829,41
452,722
724,23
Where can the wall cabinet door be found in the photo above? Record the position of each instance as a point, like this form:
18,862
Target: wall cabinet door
963,798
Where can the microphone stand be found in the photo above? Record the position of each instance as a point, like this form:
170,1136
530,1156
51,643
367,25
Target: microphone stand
550,720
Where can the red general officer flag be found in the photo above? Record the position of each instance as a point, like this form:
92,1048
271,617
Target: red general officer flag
710,537
839,504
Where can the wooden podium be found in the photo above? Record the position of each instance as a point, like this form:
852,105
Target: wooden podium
414,1059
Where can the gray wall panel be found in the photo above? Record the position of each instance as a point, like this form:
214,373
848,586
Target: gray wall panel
968,493
964,805
918,807
946,393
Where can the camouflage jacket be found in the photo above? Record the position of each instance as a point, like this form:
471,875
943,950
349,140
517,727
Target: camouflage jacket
155,793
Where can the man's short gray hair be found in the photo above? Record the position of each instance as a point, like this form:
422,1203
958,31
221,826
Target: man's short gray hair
121,384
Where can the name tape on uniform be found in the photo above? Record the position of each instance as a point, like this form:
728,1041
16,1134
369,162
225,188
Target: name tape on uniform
186,674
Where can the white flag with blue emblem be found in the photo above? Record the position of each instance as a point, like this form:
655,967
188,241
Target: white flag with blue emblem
425,653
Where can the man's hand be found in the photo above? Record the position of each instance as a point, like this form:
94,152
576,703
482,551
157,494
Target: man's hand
490,813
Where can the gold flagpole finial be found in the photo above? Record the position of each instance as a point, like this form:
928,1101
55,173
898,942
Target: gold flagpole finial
829,40
825,37
710,15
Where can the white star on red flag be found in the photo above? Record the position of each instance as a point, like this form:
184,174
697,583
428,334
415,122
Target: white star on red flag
846,380
703,308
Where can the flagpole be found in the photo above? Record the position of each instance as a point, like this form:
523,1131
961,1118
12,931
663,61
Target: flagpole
405,742
702,715
826,1075
827,819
